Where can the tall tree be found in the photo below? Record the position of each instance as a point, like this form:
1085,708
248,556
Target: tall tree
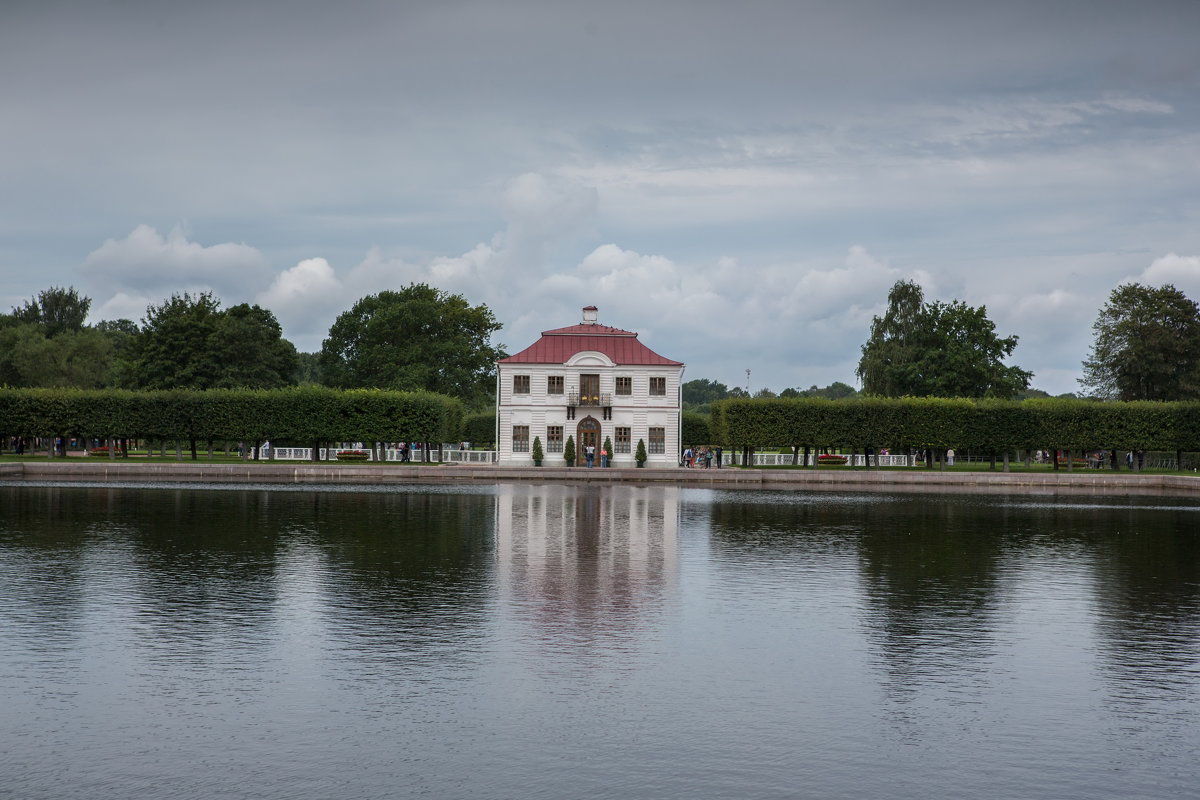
889,357
702,392
174,350
191,343
77,359
253,353
56,310
417,338
1146,347
937,349
45,343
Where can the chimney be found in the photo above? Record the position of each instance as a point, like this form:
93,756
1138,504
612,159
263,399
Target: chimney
589,315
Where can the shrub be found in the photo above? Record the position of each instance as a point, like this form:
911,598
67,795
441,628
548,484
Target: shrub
569,451
537,449
640,455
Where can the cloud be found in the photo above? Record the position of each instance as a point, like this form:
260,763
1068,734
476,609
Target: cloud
542,207
302,296
1182,271
145,262
123,305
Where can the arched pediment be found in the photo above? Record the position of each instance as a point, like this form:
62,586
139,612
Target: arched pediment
590,358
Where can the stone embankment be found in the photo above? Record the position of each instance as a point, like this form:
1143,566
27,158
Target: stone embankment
1091,482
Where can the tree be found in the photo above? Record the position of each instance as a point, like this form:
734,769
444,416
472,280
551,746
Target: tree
78,359
702,392
44,343
56,310
252,351
937,349
309,369
190,343
416,338
173,348
834,391
1146,347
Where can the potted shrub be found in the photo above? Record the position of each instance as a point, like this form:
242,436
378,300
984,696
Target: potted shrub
537,451
640,455
569,451
607,459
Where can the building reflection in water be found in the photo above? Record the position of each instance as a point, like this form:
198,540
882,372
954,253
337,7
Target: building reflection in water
586,565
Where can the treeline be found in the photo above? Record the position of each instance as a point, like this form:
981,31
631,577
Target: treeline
416,339
306,416
980,426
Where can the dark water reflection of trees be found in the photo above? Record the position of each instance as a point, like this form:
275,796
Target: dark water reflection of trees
201,571
935,576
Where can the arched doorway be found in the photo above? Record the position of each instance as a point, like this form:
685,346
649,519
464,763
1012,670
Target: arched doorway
588,432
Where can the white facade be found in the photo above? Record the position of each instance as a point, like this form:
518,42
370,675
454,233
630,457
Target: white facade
588,393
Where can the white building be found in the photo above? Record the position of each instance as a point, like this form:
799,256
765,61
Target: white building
590,382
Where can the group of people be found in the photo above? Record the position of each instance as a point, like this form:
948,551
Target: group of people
705,455
589,454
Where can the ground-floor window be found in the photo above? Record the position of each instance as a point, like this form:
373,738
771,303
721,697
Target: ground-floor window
658,440
554,439
621,442
520,438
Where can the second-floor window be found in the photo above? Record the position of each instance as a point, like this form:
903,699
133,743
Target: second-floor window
520,384
624,385
589,390
658,386
554,384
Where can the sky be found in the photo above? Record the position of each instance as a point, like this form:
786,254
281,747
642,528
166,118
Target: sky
741,183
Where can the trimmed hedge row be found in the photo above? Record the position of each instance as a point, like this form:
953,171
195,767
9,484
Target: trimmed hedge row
695,429
309,414
980,425
480,429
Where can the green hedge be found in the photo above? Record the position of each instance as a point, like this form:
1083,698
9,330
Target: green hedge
310,414
695,429
480,429
937,423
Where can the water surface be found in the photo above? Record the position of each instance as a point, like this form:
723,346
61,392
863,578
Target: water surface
569,641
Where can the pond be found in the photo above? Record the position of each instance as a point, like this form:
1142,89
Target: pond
561,641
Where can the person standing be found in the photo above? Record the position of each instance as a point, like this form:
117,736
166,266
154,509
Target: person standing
718,454
590,454
708,455
603,457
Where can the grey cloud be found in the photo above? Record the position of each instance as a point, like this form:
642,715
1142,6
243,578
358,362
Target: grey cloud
728,155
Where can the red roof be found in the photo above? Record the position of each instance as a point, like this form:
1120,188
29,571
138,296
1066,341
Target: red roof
557,347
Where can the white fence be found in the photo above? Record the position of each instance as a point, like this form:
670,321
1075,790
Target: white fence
448,453
786,460
451,454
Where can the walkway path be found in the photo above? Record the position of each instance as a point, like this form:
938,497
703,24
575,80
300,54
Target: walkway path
808,479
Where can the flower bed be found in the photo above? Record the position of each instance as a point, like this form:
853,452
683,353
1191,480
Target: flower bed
102,452
352,455
830,460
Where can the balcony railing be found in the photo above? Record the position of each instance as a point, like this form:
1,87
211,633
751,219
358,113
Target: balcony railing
602,400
